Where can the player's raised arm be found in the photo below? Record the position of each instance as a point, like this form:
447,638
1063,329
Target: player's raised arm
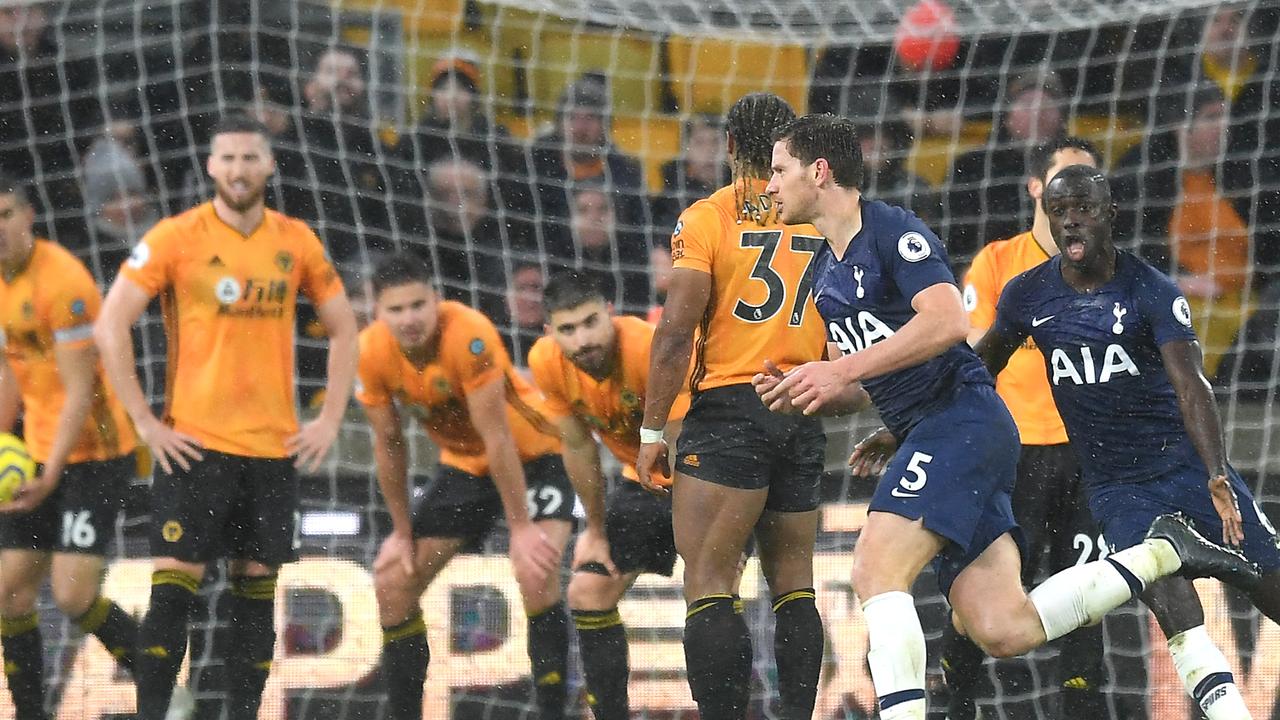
531,552
1183,362
124,304
687,299
316,437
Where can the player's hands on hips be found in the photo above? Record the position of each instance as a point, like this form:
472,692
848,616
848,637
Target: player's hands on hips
809,388
397,549
591,546
872,453
29,495
653,456
767,382
1228,507
168,446
312,442
532,554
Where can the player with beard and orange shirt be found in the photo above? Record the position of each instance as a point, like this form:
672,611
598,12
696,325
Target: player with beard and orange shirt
445,364
593,368
60,522
741,288
229,272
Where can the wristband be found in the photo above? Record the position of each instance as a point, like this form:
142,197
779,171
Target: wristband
650,436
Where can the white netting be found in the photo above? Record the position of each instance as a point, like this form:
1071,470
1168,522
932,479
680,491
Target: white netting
105,106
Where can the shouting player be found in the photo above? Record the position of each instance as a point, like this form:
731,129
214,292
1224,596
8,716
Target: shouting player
229,273
59,523
1127,376
740,288
883,285
444,363
593,368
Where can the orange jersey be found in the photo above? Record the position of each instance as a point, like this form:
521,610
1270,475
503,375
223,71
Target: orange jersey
613,407
229,303
53,302
762,274
469,353
1023,384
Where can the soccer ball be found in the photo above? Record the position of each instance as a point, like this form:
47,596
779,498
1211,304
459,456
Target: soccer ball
16,465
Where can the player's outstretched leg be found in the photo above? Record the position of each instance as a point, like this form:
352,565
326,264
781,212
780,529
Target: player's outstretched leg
602,638
785,541
76,580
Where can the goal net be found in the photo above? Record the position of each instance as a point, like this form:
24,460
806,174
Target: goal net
503,139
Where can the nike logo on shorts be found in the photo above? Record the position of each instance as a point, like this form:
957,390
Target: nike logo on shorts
1037,322
900,493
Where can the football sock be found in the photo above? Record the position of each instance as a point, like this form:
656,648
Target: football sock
602,641
24,664
1206,675
797,647
114,628
717,653
549,656
896,654
253,643
405,656
1082,595
962,668
162,640
1084,675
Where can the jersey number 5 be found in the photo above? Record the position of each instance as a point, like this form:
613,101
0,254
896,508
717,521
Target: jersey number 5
767,243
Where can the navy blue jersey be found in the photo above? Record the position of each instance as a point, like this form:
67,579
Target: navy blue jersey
866,296
1102,353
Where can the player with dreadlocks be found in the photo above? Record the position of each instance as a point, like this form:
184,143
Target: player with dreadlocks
739,296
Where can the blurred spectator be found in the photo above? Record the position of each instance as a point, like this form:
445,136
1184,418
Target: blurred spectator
1249,368
596,243
117,200
1172,200
985,201
660,269
456,124
47,105
332,162
579,150
464,240
699,171
522,320
885,147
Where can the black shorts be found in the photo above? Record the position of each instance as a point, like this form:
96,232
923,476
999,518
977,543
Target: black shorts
638,526
730,438
1050,505
226,506
79,516
457,504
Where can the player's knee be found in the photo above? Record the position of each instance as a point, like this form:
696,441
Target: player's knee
999,637
73,596
591,591
869,578
16,601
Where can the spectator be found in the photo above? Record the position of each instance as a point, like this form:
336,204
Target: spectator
116,199
522,320
47,106
332,162
699,171
660,270
885,147
986,201
460,234
595,242
579,150
456,125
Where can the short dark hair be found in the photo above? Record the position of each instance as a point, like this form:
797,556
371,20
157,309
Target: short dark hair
1079,174
830,137
568,289
240,123
751,122
400,268
1041,158
10,186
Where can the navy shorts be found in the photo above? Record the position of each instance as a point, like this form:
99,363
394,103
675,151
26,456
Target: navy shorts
955,470
457,504
1125,511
